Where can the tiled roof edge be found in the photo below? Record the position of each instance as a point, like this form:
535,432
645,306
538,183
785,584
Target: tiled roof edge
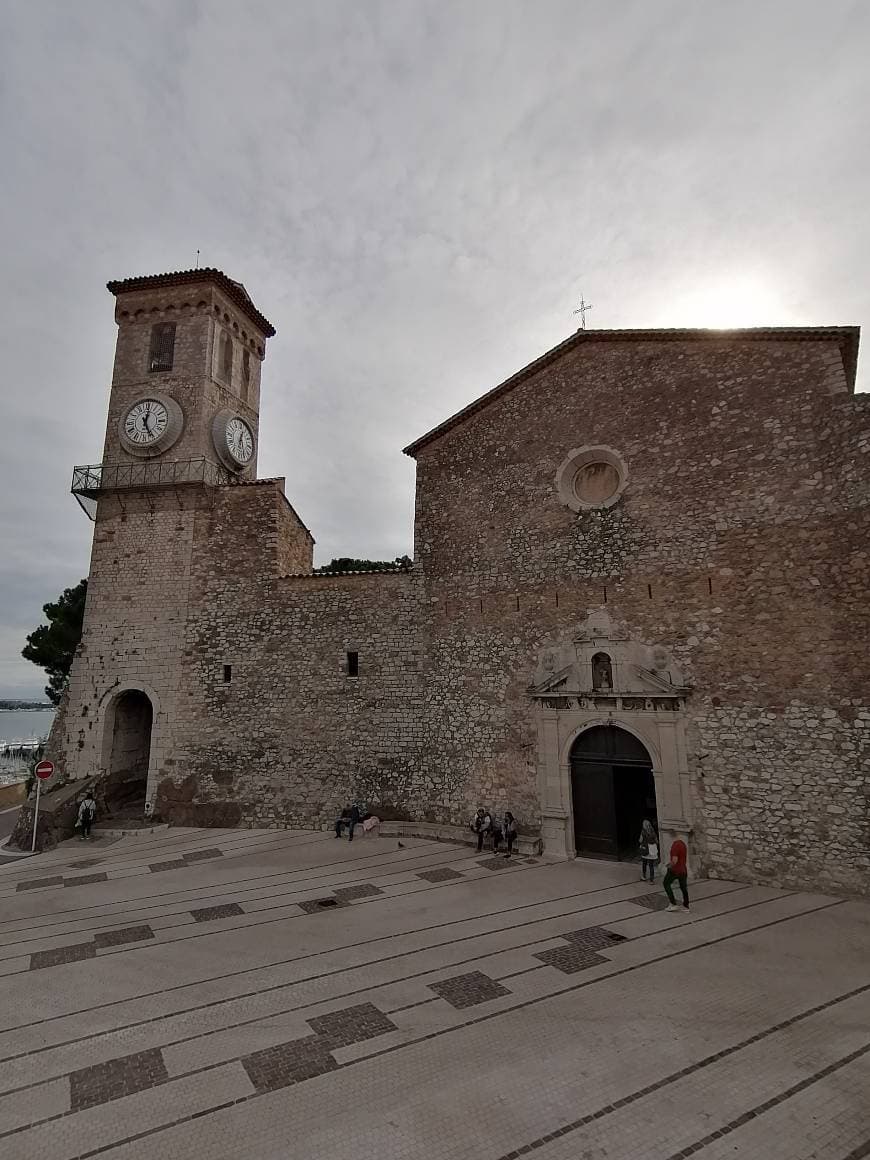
233,290
336,575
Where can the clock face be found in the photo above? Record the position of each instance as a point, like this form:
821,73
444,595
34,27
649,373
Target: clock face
145,422
240,441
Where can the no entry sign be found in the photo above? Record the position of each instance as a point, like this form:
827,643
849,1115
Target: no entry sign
44,769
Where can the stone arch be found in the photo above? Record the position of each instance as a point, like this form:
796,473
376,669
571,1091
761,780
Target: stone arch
647,738
130,713
612,791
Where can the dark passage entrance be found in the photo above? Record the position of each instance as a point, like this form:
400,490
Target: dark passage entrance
130,753
612,791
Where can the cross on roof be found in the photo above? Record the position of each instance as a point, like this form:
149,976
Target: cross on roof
584,306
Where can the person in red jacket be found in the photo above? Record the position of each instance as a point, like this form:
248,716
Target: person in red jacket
677,871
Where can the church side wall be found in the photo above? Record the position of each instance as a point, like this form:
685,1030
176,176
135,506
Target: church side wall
739,544
285,736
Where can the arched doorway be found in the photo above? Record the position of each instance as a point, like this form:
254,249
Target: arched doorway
612,791
129,751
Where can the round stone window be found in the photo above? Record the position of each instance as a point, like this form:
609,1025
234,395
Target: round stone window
591,477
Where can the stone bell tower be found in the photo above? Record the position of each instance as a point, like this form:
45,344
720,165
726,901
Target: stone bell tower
182,429
186,381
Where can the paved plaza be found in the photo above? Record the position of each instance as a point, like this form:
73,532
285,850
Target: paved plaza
260,994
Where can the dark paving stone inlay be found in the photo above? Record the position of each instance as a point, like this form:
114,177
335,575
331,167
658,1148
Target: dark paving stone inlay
85,879
442,874
116,1078
364,890
315,905
57,956
125,934
209,913
175,864
497,862
202,855
652,901
569,960
288,1063
469,990
351,1025
38,883
85,863
593,938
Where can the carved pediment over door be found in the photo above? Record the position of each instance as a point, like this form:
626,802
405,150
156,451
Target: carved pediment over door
600,661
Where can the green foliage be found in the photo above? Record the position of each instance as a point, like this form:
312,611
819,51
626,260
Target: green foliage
346,564
53,645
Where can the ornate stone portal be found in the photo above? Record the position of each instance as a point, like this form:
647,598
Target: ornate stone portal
601,676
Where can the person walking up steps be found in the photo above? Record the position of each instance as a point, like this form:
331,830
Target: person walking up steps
677,871
649,851
87,813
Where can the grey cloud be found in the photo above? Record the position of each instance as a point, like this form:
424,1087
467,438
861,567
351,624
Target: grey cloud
415,193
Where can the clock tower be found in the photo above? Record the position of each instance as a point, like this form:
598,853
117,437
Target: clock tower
186,382
181,433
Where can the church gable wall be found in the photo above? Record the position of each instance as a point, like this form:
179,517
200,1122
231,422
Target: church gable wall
740,543
715,436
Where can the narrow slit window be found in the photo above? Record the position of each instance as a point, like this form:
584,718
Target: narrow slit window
228,674
226,357
246,374
161,353
353,664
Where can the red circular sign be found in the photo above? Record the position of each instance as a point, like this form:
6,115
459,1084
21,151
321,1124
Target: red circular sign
44,769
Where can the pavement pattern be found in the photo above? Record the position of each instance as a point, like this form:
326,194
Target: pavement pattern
268,994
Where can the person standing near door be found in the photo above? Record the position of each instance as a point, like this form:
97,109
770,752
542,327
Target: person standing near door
677,871
649,850
482,825
510,832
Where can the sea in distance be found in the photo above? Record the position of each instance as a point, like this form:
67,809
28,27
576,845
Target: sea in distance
21,725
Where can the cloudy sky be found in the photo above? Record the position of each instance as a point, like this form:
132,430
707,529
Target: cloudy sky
416,193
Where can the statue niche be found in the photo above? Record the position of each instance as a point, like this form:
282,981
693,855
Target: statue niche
602,672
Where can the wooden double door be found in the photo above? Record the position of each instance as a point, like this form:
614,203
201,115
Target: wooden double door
612,791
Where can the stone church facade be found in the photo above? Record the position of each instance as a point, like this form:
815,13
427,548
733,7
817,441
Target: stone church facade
639,588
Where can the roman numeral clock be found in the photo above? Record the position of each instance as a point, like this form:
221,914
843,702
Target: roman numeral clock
233,440
151,425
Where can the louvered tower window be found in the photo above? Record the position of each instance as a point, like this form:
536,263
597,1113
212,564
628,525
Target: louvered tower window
162,350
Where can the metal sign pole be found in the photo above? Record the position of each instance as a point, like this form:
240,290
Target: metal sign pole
35,815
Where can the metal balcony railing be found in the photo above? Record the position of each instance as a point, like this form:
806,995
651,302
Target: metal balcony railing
94,479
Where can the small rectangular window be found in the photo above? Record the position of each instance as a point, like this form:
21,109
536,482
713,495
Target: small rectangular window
162,351
228,674
353,664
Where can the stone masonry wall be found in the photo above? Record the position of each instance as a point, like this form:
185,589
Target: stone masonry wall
192,382
135,619
290,737
740,544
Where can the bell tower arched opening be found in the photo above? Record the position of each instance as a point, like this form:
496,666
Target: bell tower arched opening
128,745
612,792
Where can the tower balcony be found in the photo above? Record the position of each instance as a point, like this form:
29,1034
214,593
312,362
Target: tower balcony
93,480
